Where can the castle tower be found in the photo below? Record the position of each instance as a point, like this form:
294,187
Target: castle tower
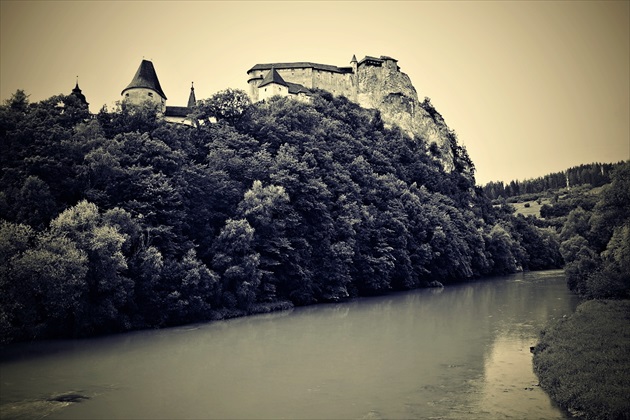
355,77
191,98
271,85
77,92
145,86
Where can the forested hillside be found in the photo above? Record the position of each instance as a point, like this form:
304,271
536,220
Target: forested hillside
121,221
592,174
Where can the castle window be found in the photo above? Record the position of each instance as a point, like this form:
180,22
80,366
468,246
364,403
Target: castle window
150,93
126,95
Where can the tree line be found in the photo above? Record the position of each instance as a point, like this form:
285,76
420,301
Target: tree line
593,174
120,220
595,239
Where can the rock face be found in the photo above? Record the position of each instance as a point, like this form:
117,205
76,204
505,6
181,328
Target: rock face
375,83
390,91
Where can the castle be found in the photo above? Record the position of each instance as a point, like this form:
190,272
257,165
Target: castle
298,79
373,83
145,86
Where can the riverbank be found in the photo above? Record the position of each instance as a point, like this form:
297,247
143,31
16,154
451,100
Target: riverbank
583,361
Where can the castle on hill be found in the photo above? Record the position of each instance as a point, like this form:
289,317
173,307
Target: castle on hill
145,86
298,79
373,83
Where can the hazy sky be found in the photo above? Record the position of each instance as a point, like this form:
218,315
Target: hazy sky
530,87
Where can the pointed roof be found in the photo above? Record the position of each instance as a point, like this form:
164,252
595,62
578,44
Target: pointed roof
272,77
146,78
77,92
354,59
191,98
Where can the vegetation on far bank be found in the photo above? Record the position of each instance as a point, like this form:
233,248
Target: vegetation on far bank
592,175
583,361
121,220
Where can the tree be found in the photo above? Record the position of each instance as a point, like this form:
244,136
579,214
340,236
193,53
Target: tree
49,288
191,289
501,245
108,289
35,203
227,105
238,263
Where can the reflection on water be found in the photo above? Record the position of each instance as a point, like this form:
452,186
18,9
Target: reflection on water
509,387
460,353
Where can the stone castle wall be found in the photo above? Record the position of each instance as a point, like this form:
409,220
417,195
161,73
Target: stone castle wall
272,90
336,83
140,95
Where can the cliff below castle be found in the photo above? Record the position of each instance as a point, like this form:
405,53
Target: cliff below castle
391,92
373,83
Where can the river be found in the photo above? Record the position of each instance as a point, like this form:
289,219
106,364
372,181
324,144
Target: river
457,352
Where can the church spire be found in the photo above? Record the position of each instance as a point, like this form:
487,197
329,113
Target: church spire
191,99
77,92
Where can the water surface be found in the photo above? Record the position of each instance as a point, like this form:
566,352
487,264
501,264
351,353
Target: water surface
458,352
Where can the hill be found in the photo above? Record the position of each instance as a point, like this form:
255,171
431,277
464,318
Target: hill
121,220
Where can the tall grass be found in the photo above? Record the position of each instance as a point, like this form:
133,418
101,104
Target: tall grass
583,361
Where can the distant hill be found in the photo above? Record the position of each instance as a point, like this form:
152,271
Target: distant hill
593,174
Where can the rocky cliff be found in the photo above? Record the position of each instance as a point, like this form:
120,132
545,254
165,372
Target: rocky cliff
391,92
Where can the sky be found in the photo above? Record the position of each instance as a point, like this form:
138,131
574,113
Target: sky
529,87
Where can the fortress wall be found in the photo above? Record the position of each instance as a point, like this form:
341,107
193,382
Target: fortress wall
303,76
335,83
253,88
139,95
272,90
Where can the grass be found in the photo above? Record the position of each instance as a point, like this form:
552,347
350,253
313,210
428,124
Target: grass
529,208
583,361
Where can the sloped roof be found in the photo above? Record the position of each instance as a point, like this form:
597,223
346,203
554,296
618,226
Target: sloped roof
369,58
191,98
177,111
296,88
272,77
146,77
77,92
301,65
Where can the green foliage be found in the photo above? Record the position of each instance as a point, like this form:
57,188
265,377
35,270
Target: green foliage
148,224
595,242
227,105
593,175
583,361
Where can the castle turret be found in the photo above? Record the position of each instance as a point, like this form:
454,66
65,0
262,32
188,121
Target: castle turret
271,85
77,92
191,98
354,63
145,86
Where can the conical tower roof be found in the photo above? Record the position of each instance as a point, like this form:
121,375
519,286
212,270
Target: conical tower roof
191,98
272,77
77,92
146,78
